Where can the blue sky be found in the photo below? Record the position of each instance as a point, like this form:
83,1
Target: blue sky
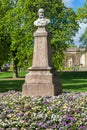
77,4
74,3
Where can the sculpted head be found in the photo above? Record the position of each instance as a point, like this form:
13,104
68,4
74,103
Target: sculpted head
41,13
41,21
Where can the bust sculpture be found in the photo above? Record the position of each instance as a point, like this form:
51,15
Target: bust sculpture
41,21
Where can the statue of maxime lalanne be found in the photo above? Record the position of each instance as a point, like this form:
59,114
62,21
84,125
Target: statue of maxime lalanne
41,21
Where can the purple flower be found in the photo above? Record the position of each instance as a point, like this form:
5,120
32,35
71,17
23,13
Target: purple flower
70,124
78,111
40,124
8,111
82,127
19,114
0,116
43,125
47,96
54,126
46,102
64,123
69,118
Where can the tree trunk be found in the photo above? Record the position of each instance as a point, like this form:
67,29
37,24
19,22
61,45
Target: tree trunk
15,69
0,68
15,63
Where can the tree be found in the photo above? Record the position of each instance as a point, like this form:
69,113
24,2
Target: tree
4,49
19,22
82,12
5,35
82,17
83,39
72,45
5,40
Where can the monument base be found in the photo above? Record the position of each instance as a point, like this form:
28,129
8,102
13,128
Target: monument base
41,82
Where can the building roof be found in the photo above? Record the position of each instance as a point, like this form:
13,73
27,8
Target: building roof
75,49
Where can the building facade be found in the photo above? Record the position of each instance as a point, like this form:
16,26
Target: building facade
76,56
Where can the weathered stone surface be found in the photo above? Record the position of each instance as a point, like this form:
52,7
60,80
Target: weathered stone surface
41,79
41,84
42,51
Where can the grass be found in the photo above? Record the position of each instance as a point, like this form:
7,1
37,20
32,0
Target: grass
9,74
71,81
11,84
74,81
6,85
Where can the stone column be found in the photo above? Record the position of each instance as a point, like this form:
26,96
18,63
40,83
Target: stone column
42,51
41,79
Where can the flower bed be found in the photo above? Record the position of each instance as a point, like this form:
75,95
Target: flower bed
64,112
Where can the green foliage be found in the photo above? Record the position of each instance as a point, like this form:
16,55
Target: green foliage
19,22
4,34
82,16
82,12
72,45
83,39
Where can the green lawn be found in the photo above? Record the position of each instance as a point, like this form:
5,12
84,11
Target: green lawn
9,74
74,81
71,81
6,85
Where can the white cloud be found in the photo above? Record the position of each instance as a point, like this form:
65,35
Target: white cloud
68,3
79,34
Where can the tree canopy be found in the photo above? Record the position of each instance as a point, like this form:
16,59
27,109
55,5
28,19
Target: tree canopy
19,20
5,39
82,17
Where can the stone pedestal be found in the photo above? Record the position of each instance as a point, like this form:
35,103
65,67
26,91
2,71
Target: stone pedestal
41,79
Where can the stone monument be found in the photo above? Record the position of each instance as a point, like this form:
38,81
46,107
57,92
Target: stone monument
41,79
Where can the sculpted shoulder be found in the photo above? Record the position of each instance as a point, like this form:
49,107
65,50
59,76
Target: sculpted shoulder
41,22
